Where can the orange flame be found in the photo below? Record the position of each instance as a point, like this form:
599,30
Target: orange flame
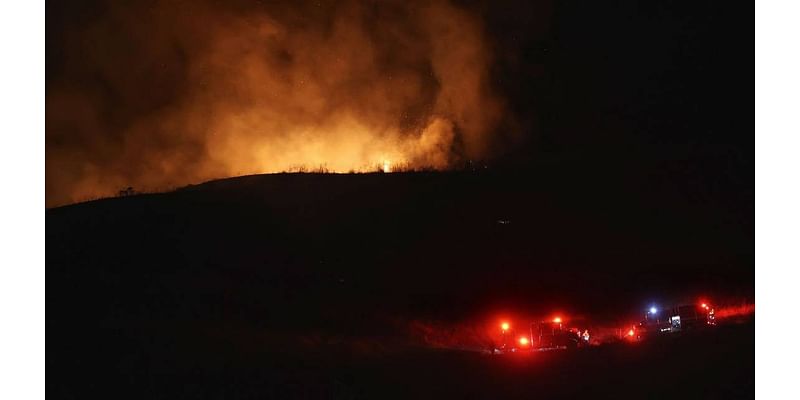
261,93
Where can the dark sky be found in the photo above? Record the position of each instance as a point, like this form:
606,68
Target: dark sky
158,94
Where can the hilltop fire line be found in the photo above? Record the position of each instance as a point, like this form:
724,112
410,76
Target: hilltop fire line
559,333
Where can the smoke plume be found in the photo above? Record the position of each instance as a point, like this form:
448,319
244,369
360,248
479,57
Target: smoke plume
166,93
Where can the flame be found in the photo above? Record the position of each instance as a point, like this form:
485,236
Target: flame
218,93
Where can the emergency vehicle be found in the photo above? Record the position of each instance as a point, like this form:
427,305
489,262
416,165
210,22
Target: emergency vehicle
682,318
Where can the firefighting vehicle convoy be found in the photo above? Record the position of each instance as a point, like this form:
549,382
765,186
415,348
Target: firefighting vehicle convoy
557,334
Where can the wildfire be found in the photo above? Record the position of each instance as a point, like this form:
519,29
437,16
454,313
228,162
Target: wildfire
263,96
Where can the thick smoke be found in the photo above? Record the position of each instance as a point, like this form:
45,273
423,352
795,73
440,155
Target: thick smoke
168,93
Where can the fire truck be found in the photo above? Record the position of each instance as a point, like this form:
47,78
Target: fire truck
540,336
682,318
553,335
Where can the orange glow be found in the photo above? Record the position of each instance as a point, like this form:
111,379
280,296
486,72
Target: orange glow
557,320
704,305
523,341
259,95
631,332
504,326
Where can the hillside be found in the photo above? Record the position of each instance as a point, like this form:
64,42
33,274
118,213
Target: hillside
276,263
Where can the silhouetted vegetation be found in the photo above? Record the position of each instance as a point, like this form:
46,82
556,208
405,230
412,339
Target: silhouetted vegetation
129,191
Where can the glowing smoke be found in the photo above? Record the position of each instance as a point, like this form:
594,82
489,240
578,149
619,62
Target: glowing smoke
168,93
